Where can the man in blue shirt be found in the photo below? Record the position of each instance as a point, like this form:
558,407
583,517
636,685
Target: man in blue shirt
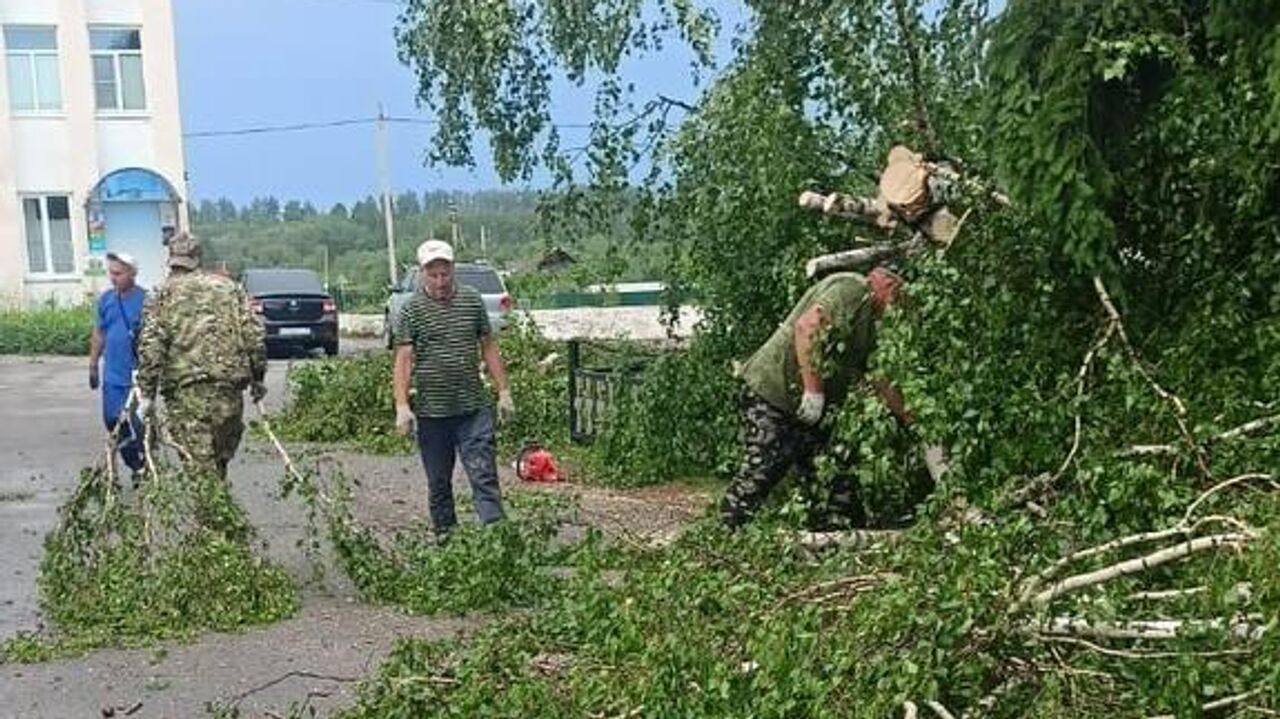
114,341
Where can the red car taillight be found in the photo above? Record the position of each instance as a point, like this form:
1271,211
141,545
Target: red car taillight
255,306
330,307
505,303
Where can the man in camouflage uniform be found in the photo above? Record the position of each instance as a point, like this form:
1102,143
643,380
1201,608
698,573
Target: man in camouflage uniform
808,364
201,347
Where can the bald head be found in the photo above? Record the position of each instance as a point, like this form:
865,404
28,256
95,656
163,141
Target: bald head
885,286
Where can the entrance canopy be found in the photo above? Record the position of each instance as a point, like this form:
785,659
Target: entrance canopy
133,184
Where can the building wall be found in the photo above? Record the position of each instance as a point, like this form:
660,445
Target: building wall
70,151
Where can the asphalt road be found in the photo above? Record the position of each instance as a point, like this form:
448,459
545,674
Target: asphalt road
50,428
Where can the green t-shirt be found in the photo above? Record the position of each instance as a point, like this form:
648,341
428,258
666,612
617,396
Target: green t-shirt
445,335
773,372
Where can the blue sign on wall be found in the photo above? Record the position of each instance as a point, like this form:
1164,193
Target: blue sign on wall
133,185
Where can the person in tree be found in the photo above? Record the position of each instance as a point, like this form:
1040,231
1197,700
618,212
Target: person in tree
201,347
441,334
112,353
806,367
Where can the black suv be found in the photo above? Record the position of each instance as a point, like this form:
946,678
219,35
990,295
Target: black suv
294,308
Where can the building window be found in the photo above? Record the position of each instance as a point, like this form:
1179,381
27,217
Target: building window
47,219
117,69
31,61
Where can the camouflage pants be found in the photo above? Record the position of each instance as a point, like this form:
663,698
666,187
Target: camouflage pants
773,442
206,420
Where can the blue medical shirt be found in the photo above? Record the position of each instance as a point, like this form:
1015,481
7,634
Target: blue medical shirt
117,316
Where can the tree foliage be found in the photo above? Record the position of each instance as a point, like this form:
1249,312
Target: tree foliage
1128,299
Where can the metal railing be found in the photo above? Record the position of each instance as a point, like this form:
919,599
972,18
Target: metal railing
594,392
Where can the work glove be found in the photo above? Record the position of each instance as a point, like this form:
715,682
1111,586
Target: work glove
94,381
404,419
810,411
257,390
506,407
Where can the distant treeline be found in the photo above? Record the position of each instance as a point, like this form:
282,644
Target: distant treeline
347,243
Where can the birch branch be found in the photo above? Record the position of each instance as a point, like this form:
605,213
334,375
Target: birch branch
1139,653
1166,594
850,539
941,711
1218,703
1163,450
1225,484
1150,628
1053,569
1179,407
1141,564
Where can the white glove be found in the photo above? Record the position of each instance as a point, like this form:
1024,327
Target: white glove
810,411
144,406
404,419
506,407
811,268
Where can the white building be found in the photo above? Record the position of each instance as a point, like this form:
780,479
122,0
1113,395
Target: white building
90,144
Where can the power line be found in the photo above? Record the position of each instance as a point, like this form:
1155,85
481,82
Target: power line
265,129
304,126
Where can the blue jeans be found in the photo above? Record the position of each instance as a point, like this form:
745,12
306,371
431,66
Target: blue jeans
130,440
440,440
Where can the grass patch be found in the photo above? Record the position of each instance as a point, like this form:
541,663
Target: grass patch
54,330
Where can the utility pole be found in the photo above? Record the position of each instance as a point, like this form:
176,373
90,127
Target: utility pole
455,233
384,175
326,266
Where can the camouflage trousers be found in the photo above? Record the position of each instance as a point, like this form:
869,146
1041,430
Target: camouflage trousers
774,442
206,420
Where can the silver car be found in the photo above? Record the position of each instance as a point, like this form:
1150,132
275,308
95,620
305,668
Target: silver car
484,278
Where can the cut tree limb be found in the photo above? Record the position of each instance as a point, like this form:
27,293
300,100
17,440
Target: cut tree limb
1241,628
848,539
1141,564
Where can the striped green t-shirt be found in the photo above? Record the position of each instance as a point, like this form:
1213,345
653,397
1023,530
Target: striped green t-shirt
445,335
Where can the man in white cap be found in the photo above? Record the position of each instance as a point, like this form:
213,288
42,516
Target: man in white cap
114,342
441,332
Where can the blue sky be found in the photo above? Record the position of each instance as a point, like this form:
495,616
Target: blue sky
251,63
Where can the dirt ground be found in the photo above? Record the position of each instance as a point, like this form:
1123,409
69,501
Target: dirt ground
50,428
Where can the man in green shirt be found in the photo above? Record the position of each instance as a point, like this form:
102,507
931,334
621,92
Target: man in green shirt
442,332
809,364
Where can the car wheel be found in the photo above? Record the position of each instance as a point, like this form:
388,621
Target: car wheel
331,348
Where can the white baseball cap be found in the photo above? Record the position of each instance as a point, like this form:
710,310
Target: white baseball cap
123,258
433,250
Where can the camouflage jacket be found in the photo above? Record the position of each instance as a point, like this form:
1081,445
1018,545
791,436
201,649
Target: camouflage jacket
197,328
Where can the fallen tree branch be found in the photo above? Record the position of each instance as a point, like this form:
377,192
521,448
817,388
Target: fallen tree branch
1138,653
848,539
1052,570
1081,378
1169,450
1247,428
941,711
1166,594
1179,407
233,702
1149,629
284,455
1217,704
1252,476
1141,564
